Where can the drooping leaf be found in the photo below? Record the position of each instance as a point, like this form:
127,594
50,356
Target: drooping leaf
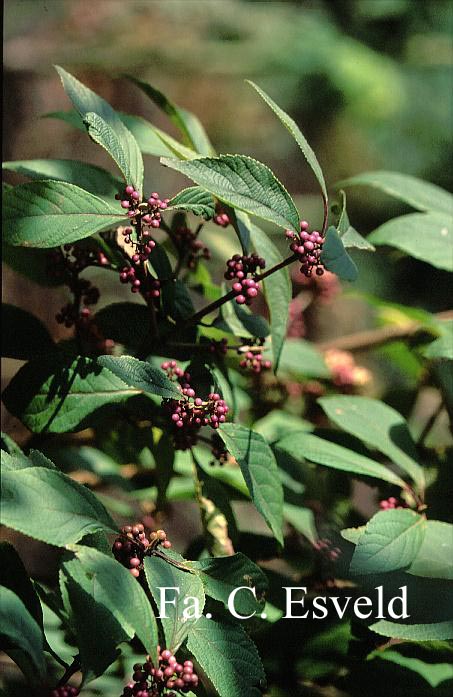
105,127
435,631
277,290
434,559
243,183
425,236
221,576
194,199
390,541
189,124
302,359
140,375
298,136
51,394
24,335
336,259
49,506
110,584
324,452
89,177
349,235
419,194
379,425
21,635
258,465
228,657
50,213
184,585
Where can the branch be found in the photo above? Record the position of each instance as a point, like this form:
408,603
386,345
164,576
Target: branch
372,338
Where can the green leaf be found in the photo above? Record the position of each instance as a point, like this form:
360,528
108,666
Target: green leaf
105,127
300,139
349,235
228,657
49,506
241,322
189,124
277,290
336,259
277,424
89,177
24,335
302,519
302,359
176,626
417,193
111,583
441,348
433,673
13,575
425,236
141,375
390,541
50,394
260,471
50,213
352,534
324,452
194,199
243,183
222,575
97,631
434,559
379,425
21,633
434,631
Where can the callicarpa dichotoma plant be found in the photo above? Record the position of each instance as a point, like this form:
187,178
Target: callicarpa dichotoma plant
195,390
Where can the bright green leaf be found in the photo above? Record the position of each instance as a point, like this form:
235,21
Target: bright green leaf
390,541
259,467
434,559
194,199
243,183
228,657
89,177
435,631
140,375
49,506
20,632
324,452
50,213
302,359
176,626
379,425
425,236
419,194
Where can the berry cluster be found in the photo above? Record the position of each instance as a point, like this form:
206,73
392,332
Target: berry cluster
345,372
190,246
253,360
238,268
391,502
65,691
308,247
219,348
190,413
66,263
132,545
148,681
221,218
149,210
